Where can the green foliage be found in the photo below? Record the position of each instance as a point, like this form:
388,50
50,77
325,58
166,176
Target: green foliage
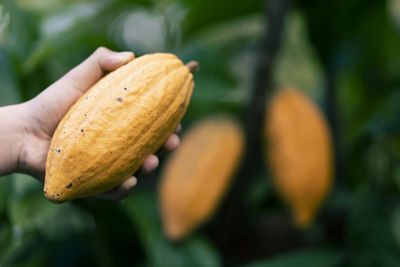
142,209
311,258
9,93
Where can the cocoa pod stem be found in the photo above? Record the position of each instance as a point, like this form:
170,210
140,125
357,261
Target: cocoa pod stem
193,66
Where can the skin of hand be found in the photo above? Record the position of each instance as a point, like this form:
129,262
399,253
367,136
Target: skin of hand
27,128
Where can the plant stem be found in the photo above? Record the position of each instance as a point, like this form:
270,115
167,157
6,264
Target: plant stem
230,224
331,114
262,87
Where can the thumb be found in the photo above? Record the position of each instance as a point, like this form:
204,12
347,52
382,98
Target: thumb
86,74
83,76
58,97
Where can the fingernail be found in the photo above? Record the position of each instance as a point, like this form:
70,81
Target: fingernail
125,56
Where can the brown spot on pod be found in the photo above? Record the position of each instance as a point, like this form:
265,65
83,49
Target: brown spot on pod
69,186
119,99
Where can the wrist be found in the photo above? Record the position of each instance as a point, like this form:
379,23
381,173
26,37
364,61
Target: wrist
34,141
12,135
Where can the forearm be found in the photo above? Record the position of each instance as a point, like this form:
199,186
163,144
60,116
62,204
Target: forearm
11,138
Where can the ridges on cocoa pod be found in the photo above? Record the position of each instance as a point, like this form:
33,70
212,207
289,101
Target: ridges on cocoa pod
198,173
299,151
105,136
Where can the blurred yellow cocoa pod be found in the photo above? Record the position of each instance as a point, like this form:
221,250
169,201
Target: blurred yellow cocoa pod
299,152
198,174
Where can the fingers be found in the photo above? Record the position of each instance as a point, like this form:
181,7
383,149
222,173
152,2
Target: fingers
120,192
170,145
149,165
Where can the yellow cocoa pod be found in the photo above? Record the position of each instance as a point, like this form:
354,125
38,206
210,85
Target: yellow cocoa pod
198,173
299,153
106,135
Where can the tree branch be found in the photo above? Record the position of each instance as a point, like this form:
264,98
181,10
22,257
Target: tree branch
230,225
269,44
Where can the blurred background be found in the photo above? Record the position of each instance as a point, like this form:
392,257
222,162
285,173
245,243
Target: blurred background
343,54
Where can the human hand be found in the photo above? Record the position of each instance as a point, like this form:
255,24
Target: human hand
44,112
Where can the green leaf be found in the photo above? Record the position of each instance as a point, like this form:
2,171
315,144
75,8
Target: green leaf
309,258
369,234
5,185
194,251
23,184
30,212
221,11
60,30
297,64
9,93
